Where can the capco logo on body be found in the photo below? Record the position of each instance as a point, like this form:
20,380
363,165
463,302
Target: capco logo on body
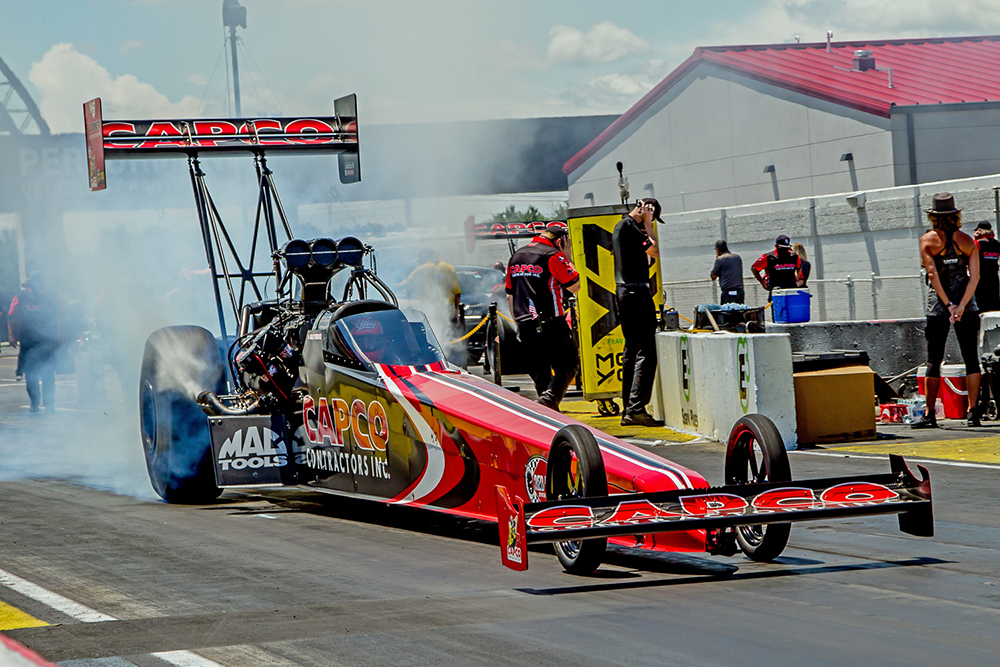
331,420
253,447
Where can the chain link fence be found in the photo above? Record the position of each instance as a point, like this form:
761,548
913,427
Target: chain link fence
869,298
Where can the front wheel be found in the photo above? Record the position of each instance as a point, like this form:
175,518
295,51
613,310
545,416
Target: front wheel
755,455
575,469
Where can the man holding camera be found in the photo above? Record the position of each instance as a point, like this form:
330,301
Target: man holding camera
634,246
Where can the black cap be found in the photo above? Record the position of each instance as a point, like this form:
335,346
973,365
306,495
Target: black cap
783,242
985,225
557,231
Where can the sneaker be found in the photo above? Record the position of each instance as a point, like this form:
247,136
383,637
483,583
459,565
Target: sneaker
548,402
927,421
974,418
640,419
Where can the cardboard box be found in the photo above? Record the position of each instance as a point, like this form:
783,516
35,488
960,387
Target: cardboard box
835,404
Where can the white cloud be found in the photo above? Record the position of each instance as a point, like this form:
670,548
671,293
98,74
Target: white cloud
615,92
66,78
131,45
604,43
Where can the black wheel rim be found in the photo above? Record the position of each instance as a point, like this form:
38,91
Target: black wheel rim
751,468
571,486
147,407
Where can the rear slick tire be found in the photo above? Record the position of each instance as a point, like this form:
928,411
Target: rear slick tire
756,454
178,363
564,480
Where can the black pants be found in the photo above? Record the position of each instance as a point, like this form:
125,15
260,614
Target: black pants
738,297
967,332
552,357
637,315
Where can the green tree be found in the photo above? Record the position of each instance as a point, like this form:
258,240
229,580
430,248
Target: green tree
511,214
560,212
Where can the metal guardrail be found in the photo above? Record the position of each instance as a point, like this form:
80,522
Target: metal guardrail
870,298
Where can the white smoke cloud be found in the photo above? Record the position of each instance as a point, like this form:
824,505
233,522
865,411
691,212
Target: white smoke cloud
603,43
67,78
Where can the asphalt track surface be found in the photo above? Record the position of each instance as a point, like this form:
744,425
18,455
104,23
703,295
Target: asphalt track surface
295,577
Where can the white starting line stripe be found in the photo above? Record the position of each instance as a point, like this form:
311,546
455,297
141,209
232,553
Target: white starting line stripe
883,457
85,614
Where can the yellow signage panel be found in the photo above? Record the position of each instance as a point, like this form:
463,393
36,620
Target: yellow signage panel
601,341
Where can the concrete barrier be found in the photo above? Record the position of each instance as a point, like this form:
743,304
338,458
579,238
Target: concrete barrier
707,381
893,346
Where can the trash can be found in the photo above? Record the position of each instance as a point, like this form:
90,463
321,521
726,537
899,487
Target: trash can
790,306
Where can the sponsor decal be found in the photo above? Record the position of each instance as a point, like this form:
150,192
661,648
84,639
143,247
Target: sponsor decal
328,422
253,447
516,229
360,465
513,551
710,505
365,325
524,270
686,367
221,133
534,478
743,371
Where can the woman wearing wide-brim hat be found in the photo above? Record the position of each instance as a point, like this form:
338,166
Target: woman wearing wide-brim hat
951,259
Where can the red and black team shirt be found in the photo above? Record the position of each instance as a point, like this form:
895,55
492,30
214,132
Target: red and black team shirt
988,289
780,268
536,276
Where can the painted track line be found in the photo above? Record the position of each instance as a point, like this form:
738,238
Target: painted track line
85,614
883,457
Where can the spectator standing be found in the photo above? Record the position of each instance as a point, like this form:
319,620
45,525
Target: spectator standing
33,323
951,259
634,245
779,268
728,270
804,266
537,274
988,289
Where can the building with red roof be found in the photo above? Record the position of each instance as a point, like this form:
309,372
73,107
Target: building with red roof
737,125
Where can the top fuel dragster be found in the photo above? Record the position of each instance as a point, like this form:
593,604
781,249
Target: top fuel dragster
349,394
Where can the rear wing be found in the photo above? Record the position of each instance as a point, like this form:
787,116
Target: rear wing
898,492
139,139
506,230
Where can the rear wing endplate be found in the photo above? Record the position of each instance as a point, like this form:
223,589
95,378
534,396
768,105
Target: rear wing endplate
898,492
139,139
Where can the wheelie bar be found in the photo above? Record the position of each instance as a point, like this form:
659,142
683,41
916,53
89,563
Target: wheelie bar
898,492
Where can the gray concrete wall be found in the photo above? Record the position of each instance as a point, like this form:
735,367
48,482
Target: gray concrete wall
705,143
893,346
840,240
948,141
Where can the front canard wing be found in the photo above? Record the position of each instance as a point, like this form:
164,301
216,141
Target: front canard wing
898,492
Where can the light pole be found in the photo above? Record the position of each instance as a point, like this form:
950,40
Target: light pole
234,14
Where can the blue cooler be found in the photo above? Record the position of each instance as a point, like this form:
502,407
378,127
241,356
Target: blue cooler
790,306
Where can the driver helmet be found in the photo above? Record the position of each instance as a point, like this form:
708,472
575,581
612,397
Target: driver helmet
368,334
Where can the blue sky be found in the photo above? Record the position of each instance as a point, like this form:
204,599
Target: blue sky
413,61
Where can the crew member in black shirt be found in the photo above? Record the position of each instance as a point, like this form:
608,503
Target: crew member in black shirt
988,289
728,269
634,244
779,268
537,274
